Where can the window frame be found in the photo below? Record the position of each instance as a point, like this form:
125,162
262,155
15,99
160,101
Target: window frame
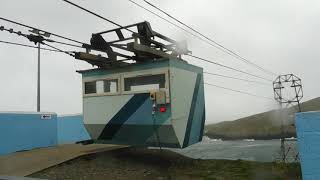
84,87
118,78
141,74
118,86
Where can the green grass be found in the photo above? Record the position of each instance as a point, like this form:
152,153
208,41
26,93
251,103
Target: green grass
233,170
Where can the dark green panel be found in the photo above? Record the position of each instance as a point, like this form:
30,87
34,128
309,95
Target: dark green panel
143,135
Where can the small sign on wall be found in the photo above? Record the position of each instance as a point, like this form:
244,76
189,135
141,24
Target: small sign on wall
46,116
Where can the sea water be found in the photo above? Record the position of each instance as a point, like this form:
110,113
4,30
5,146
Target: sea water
252,150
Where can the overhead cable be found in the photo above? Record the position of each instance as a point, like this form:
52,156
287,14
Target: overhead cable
63,43
25,45
30,27
228,67
108,20
38,39
185,30
231,77
221,47
242,92
97,15
59,50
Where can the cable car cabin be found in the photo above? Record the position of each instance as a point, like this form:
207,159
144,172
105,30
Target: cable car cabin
151,104
156,101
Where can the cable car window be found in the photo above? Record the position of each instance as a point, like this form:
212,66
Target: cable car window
90,87
145,83
111,86
99,87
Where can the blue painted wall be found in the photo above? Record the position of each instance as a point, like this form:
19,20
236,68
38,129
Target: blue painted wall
308,132
25,131
71,129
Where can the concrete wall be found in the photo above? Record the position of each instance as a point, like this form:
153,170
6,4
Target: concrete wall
308,132
71,129
24,131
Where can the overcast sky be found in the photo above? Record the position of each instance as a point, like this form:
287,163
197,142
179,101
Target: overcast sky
279,35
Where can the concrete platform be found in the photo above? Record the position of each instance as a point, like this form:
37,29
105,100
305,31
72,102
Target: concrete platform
18,178
29,162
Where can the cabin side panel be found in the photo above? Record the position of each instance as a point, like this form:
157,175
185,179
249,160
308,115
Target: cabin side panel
187,102
182,88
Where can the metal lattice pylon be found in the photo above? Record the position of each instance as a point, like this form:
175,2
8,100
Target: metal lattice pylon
278,88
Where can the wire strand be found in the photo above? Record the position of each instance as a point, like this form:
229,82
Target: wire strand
242,92
63,43
221,47
236,78
179,28
27,26
228,67
19,33
97,15
166,20
25,45
66,52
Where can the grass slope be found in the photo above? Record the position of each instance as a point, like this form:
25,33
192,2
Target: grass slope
260,126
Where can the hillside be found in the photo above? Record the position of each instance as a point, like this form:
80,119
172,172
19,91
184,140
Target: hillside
260,126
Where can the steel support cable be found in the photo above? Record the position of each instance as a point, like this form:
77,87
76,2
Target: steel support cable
63,43
228,67
30,27
97,15
11,31
114,23
173,24
25,45
231,77
198,37
178,26
19,33
242,92
66,52
223,48
168,21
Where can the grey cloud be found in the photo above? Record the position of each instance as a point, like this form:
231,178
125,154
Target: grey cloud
278,35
